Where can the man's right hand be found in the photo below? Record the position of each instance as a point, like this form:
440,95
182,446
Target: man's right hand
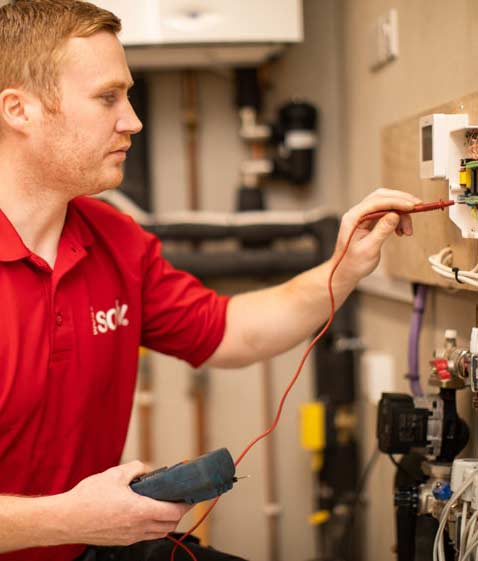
103,510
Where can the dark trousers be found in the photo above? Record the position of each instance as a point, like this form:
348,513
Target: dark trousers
158,550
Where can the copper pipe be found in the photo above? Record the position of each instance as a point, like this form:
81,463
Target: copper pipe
190,115
190,120
258,150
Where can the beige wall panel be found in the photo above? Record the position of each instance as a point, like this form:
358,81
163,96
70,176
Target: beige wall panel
436,47
219,147
314,71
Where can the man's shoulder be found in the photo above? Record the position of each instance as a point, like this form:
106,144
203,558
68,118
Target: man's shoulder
107,222
96,208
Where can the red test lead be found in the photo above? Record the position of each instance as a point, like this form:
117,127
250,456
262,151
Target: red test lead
422,207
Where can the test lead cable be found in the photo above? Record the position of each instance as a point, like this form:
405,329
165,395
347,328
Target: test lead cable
422,207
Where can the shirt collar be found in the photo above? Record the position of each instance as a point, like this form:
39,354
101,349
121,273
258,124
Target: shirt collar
12,248
75,229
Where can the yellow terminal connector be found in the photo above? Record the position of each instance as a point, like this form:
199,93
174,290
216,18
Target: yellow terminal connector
319,517
465,178
312,417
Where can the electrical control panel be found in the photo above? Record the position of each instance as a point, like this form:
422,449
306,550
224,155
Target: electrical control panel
463,179
449,150
448,236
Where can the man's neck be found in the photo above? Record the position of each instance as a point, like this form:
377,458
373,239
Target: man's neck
37,214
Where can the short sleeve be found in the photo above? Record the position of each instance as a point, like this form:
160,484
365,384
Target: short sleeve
181,317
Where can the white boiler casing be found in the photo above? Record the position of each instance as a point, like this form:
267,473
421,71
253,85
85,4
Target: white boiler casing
186,22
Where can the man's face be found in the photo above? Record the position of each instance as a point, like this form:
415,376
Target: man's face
81,150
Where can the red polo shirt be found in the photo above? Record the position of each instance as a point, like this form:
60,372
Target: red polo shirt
69,340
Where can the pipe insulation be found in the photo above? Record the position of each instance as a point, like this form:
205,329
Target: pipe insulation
267,225
319,224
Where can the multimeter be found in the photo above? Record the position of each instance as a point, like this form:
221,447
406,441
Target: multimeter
194,481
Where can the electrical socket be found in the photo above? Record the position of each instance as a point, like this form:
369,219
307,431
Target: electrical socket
377,375
384,40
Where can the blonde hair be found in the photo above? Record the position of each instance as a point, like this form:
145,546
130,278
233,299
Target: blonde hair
32,35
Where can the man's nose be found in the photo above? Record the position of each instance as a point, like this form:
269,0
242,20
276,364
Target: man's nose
129,122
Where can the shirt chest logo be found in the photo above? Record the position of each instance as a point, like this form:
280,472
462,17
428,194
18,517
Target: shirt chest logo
109,320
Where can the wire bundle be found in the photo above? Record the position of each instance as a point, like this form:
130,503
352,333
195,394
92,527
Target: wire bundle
468,536
442,263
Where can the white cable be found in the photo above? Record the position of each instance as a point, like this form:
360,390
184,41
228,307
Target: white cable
438,547
470,528
470,549
464,514
472,538
442,263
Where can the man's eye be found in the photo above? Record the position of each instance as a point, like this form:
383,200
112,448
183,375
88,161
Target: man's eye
109,99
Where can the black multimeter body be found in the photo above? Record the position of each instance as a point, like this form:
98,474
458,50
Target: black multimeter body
201,479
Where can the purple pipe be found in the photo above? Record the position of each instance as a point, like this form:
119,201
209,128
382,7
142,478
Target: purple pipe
414,339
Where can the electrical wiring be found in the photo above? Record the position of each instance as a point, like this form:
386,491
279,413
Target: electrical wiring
442,263
470,549
372,216
470,528
471,537
438,547
467,536
179,543
464,515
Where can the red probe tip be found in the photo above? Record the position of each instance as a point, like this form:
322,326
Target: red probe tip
437,205
444,204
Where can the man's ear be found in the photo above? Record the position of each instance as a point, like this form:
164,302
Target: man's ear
18,109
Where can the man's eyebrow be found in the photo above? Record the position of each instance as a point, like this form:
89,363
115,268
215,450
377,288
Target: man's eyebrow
115,85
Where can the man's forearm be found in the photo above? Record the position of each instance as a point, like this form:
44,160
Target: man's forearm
31,522
267,322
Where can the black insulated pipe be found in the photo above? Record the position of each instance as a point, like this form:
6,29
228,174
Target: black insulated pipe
244,261
324,230
248,91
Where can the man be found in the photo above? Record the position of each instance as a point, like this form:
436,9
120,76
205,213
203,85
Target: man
82,287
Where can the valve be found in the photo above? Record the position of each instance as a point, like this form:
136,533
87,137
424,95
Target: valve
451,365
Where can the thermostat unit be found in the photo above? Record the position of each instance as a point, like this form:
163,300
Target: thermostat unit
449,151
435,132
